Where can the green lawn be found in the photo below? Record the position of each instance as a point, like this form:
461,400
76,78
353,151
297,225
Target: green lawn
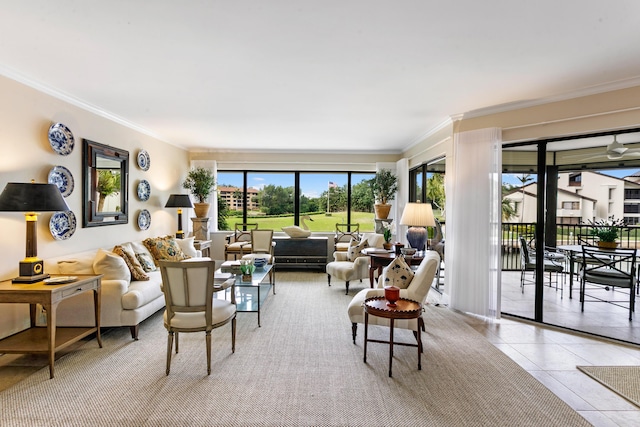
321,222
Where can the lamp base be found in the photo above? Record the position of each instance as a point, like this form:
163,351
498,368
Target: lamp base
417,236
30,279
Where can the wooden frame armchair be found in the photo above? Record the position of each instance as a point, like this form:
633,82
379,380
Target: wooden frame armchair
343,235
240,241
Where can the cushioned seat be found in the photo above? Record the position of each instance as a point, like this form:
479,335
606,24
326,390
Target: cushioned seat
417,290
348,266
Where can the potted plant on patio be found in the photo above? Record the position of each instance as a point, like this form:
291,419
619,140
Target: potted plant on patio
607,231
200,182
384,186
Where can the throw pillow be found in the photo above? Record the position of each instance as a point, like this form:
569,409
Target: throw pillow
146,261
356,248
76,266
187,247
398,273
137,272
111,266
164,249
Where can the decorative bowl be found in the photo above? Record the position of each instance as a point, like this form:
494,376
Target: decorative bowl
259,262
408,252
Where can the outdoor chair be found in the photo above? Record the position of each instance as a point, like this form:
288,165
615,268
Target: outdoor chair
188,289
608,273
553,263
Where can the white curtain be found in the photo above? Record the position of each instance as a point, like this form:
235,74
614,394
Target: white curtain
402,172
473,223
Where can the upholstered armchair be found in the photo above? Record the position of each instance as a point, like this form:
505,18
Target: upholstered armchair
348,268
239,242
417,290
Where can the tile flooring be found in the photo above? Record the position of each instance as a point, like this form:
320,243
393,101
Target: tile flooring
551,354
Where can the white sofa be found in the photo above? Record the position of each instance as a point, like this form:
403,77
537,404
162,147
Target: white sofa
124,302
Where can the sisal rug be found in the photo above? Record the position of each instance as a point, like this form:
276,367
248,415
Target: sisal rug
300,368
624,380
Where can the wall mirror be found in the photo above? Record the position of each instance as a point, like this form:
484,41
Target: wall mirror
105,175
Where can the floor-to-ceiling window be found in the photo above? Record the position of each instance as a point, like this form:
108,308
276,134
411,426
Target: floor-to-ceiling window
583,179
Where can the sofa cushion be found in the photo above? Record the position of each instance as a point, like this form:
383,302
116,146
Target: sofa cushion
111,266
187,246
398,274
356,248
77,265
137,272
164,249
141,293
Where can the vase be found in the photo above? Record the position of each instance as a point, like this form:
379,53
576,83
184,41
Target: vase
382,210
246,278
201,209
387,245
392,294
607,245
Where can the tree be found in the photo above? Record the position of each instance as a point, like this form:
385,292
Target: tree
362,197
435,191
109,184
524,179
276,200
223,213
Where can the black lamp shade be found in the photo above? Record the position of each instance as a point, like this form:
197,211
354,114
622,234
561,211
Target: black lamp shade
31,197
179,201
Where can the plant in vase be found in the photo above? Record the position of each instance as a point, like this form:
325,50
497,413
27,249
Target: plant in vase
200,182
247,268
387,233
607,231
384,186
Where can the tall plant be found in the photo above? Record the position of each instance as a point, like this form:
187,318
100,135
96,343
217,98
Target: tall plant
384,186
200,182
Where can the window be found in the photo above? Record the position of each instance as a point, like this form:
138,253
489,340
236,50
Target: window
575,180
571,205
632,193
427,184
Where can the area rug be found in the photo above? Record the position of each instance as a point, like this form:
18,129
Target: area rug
624,380
300,368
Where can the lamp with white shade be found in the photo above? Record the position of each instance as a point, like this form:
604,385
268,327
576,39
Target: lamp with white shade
417,216
179,201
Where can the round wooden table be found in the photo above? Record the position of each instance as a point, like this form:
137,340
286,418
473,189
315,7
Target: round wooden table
404,309
379,260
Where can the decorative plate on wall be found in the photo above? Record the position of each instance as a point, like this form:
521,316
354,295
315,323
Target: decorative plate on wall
144,161
62,178
144,190
144,219
62,225
61,139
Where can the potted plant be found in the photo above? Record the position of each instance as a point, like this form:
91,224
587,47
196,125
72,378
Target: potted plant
247,268
607,231
200,182
384,186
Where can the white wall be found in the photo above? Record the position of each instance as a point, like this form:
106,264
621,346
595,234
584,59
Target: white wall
25,117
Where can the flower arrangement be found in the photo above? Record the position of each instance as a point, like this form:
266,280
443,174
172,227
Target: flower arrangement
246,267
388,230
607,230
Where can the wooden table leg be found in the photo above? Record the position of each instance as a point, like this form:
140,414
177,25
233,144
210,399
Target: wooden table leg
390,345
51,336
366,333
372,268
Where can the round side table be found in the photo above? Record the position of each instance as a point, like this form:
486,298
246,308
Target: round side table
404,309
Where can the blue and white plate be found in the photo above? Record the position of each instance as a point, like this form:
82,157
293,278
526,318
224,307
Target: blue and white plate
144,219
62,225
144,190
61,139
144,161
62,178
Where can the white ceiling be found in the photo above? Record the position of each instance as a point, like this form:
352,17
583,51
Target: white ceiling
325,75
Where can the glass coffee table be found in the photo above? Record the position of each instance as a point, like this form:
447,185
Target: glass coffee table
250,296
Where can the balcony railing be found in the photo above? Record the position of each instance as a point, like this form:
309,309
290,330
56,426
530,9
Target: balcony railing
566,234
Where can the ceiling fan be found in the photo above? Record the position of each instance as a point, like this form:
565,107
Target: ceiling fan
614,151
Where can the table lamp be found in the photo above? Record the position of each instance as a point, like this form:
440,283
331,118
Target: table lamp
179,201
417,216
31,198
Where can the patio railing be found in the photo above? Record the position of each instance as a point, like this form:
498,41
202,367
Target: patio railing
566,235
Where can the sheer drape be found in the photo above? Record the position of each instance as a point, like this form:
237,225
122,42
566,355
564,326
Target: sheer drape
473,223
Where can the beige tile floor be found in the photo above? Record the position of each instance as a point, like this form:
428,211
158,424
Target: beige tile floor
551,354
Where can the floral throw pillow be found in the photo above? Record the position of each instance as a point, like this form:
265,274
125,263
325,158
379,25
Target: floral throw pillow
137,272
146,261
164,249
356,248
398,274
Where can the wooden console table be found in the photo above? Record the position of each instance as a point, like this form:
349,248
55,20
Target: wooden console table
301,252
49,339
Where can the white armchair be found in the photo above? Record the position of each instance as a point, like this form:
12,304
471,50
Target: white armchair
344,269
417,290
